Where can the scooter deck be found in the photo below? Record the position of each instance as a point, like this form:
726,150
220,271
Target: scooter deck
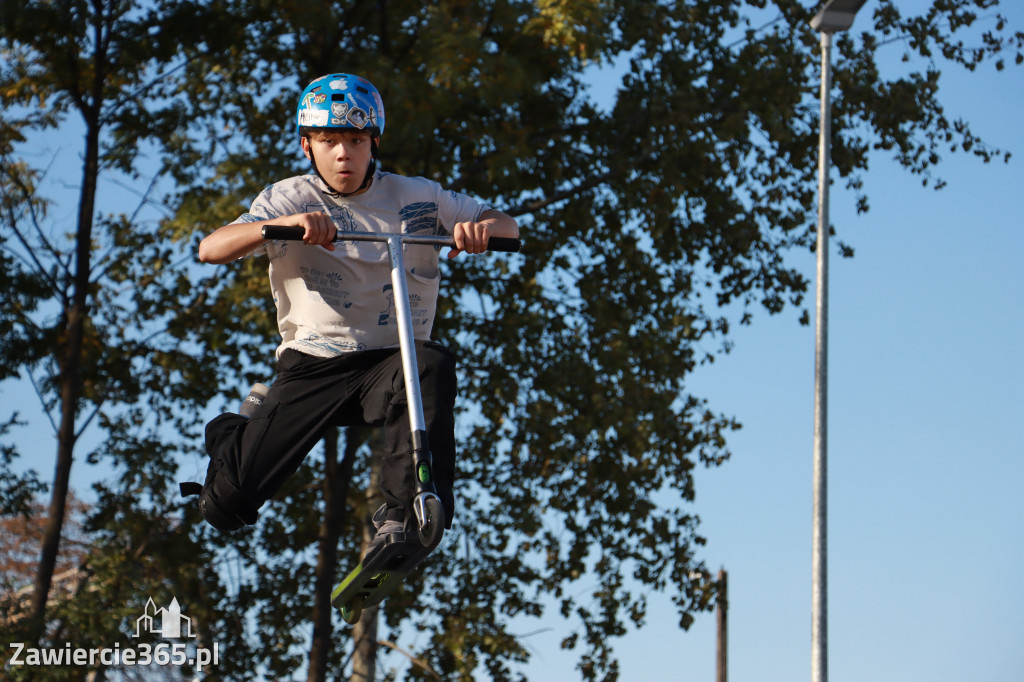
377,576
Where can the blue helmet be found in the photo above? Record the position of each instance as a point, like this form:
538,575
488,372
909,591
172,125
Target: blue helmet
341,100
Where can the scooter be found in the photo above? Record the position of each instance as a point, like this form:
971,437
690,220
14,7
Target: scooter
381,571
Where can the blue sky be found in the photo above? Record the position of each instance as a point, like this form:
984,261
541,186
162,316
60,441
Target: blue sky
925,452
926,459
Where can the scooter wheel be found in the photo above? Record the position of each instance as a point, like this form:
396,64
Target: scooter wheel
431,531
352,611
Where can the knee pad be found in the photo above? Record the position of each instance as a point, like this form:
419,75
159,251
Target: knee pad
223,505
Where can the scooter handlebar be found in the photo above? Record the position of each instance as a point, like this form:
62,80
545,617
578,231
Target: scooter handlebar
504,244
283,232
295,233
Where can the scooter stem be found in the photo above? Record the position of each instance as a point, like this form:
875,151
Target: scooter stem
400,289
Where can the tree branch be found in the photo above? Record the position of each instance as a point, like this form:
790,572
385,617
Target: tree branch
418,662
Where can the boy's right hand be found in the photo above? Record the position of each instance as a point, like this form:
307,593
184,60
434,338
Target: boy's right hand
320,229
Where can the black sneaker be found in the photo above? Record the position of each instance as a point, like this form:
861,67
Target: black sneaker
390,524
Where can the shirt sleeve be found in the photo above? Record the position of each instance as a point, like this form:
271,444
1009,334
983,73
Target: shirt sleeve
454,207
261,209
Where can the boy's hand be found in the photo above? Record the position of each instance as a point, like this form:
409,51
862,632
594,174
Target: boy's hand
320,229
470,237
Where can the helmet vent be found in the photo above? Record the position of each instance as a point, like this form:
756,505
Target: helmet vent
363,90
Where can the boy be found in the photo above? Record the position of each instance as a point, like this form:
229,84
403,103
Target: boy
338,361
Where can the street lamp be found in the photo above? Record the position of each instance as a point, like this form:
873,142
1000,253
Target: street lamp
835,16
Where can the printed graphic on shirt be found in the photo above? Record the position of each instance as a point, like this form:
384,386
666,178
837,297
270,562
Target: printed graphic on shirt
333,346
388,316
419,217
341,215
325,287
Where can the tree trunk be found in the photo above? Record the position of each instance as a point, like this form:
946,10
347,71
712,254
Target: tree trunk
364,634
364,658
76,313
337,474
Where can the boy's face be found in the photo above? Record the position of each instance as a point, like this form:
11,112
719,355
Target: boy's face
341,156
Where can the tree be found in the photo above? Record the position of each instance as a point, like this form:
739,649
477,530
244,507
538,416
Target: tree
20,538
648,221
653,222
90,297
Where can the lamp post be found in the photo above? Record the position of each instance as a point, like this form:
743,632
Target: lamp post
835,16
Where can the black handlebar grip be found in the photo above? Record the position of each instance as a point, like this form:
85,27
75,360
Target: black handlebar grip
506,244
291,232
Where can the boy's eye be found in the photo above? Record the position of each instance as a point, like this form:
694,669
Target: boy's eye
352,140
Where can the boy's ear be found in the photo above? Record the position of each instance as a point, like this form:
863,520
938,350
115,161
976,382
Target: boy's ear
304,141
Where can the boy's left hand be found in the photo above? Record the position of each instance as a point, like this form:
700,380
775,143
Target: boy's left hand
470,237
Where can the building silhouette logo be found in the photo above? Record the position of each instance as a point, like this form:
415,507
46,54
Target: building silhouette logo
168,623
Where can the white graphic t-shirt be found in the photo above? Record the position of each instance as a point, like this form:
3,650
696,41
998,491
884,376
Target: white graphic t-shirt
329,303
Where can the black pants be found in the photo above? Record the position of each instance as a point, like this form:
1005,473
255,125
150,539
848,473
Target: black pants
311,394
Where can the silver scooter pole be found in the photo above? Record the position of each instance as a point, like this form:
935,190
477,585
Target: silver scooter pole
426,504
